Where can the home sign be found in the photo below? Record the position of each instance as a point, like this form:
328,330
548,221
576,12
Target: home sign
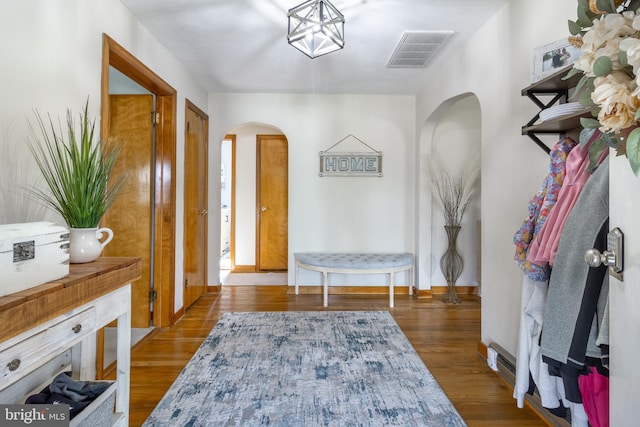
350,163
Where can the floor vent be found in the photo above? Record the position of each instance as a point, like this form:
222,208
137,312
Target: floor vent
417,48
506,365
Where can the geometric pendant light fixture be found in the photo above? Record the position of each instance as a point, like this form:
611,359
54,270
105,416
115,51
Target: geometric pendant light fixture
316,28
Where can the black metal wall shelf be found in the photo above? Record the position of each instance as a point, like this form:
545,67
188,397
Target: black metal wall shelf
557,88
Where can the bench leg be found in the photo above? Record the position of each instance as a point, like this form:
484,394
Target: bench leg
325,288
391,276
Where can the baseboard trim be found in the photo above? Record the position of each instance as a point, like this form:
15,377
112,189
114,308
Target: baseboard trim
214,289
422,293
441,290
243,269
460,290
532,401
482,349
177,315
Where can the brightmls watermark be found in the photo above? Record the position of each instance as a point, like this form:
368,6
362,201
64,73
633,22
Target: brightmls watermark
34,415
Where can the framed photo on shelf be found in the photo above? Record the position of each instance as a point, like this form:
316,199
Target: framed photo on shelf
552,57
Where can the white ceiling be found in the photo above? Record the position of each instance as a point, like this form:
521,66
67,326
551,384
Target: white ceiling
233,46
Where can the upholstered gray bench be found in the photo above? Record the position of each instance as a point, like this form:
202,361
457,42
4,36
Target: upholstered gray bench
359,263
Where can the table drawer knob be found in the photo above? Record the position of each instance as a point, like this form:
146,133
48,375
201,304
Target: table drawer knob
14,364
77,328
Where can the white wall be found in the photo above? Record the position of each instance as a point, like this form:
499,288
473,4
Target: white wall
332,213
51,60
119,84
495,65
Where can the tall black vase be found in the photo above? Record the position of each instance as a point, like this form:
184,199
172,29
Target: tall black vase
451,264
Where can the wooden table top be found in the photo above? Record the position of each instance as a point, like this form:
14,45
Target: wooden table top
22,310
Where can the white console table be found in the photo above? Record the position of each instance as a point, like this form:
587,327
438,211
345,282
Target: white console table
52,326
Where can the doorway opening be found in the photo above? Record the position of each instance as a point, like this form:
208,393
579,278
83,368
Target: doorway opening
227,195
455,127
162,170
254,206
163,272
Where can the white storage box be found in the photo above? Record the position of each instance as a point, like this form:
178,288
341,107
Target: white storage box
32,254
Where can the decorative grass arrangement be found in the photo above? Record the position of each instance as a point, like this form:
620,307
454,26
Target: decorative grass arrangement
76,168
454,193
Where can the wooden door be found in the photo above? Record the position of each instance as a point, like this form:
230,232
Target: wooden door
195,204
272,203
131,215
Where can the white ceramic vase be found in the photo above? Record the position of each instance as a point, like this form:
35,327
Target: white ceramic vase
85,244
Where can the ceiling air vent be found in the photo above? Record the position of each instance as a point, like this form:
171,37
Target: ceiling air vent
417,48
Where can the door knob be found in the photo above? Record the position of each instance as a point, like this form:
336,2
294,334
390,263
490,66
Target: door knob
612,257
594,258
264,208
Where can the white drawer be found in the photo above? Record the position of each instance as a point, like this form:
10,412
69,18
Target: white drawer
37,349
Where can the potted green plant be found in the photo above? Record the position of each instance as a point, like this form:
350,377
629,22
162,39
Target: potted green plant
77,169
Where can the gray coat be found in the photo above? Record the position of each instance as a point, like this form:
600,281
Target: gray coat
574,294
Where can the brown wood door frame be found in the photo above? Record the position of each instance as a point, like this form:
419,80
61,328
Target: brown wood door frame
188,167
165,167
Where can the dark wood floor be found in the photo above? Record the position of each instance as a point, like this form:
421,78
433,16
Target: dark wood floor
445,336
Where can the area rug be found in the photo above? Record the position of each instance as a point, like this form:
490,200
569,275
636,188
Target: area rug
301,369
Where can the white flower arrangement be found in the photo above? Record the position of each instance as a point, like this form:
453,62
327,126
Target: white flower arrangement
454,193
608,34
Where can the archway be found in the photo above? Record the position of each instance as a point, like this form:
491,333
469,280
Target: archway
239,187
453,132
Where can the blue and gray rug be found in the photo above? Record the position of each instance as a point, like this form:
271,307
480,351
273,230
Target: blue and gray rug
301,369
